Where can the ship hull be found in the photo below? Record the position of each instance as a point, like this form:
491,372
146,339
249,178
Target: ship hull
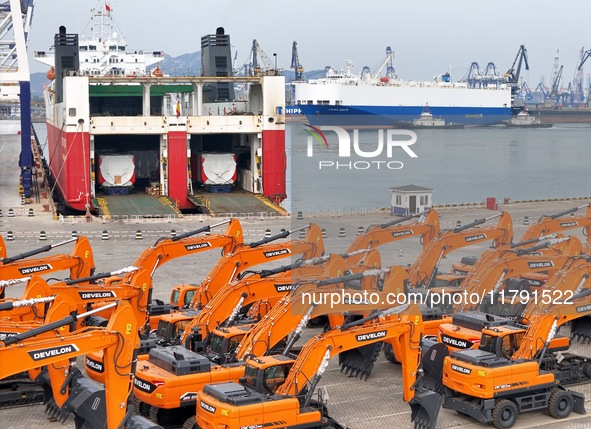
391,115
69,164
352,102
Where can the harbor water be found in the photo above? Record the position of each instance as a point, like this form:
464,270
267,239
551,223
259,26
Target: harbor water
462,166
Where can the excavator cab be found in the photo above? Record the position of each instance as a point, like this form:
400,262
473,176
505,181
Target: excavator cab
502,341
225,341
171,329
181,296
264,375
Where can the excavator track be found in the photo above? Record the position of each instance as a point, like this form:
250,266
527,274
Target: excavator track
170,418
19,391
140,408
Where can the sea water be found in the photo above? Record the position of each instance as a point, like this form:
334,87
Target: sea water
461,165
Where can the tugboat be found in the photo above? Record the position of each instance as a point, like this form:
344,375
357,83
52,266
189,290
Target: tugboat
524,120
427,121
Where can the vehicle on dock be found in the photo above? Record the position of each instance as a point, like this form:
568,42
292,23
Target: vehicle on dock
120,108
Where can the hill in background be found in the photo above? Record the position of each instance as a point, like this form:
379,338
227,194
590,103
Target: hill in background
183,65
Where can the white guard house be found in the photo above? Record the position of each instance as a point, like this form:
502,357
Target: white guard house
410,199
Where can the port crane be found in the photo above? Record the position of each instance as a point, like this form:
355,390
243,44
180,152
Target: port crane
473,77
491,74
390,72
578,92
586,55
295,63
15,83
512,75
255,68
556,84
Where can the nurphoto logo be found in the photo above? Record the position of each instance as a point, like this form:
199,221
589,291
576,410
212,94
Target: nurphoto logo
387,141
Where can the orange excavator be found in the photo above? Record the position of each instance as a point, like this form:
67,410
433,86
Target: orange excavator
167,383
187,244
230,266
226,308
546,227
80,262
565,220
489,279
428,227
134,282
277,390
511,372
80,294
93,405
265,290
423,271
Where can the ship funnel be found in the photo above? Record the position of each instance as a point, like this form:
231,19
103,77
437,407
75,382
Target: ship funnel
66,59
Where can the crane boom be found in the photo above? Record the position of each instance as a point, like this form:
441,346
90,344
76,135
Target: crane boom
295,63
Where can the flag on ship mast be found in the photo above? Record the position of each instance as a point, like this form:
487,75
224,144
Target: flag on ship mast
108,8
178,105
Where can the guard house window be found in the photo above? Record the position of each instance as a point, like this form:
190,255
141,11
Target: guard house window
398,200
424,200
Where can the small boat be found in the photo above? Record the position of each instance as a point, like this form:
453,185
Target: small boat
524,120
426,120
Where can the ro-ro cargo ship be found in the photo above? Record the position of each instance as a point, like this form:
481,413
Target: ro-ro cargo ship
105,103
344,98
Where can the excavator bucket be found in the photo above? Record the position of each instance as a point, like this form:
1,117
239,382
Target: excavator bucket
425,408
359,362
428,399
580,329
88,403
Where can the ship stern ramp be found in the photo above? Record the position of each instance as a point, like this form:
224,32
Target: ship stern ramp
236,203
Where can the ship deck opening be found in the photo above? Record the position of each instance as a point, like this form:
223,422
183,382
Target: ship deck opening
145,151
242,146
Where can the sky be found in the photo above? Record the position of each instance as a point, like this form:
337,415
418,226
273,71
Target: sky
428,37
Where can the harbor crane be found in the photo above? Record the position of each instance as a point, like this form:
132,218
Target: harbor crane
491,74
586,55
541,88
390,72
473,77
512,76
578,91
513,73
295,63
556,84
15,82
255,68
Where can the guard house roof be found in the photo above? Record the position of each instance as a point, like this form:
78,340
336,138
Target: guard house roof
411,188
